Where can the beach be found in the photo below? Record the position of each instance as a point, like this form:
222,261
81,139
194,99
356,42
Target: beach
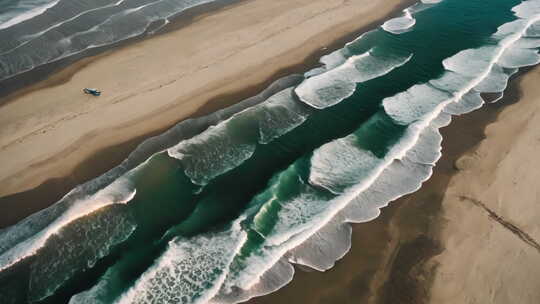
442,244
490,212
55,131
323,151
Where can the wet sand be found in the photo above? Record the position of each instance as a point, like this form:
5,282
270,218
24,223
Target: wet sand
53,137
442,244
470,235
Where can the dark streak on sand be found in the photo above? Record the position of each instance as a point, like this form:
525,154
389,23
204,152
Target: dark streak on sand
15,207
524,236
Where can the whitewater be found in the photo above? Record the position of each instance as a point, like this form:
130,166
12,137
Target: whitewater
219,209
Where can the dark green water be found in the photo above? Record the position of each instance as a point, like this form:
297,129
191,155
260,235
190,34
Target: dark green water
211,215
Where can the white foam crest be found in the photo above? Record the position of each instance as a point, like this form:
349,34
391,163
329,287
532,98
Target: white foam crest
479,64
29,14
324,247
24,231
109,21
190,271
400,175
266,257
509,28
279,115
295,215
401,24
248,272
104,33
149,147
533,31
334,59
443,120
527,9
329,62
211,154
426,116
119,192
400,178
228,144
30,37
338,57
80,245
473,62
400,166
378,194
333,241
34,226
468,103
247,275
451,82
46,218
528,43
427,150
495,81
330,164
314,72
327,256
332,87
415,104
279,275
94,294
517,57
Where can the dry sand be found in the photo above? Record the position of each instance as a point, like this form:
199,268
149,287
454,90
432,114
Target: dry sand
155,83
439,245
491,211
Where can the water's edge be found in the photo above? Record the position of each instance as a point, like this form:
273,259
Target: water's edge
105,159
408,229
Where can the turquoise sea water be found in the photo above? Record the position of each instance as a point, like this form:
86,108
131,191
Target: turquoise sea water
219,217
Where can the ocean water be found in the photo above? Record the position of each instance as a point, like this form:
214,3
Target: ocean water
219,209
38,32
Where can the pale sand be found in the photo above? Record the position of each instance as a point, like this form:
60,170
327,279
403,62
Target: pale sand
485,262
435,246
154,83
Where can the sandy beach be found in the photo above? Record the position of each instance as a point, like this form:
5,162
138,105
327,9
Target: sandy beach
490,212
470,235
52,128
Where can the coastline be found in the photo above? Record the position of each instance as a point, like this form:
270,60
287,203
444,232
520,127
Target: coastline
88,151
414,251
60,71
469,235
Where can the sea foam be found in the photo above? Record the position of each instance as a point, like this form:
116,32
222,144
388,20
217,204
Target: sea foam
335,85
304,218
402,171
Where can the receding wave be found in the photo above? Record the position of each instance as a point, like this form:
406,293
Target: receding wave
219,209
333,86
57,30
231,142
400,24
19,11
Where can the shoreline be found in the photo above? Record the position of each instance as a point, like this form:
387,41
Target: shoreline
396,257
30,196
441,244
60,71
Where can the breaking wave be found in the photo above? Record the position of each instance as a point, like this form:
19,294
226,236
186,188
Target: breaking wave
35,33
219,209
